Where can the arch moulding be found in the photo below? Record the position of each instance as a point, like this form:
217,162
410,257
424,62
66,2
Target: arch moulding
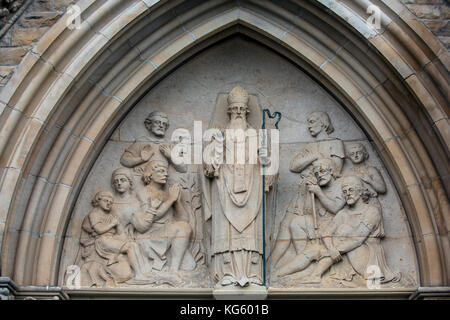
75,86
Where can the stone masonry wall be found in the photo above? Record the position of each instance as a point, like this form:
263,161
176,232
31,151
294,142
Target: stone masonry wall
435,14
23,22
16,40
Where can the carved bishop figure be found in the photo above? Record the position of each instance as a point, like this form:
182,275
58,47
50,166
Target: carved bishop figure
236,201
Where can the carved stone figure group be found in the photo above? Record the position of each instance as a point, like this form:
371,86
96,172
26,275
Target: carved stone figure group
146,230
128,235
334,216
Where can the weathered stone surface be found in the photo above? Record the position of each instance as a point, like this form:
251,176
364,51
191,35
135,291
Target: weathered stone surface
423,1
26,37
12,55
445,9
446,41
61,5
5,74
436,26
194,92
39,19
41,5
425,11
5,41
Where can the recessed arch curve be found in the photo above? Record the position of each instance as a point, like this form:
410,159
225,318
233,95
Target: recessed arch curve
74,87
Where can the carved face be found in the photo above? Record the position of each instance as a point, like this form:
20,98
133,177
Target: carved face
159,125
157,172
351,193
315,125
356,153
105,202
121,183
238,111
323,173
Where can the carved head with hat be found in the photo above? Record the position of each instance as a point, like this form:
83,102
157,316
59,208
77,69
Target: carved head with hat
122,181
238,103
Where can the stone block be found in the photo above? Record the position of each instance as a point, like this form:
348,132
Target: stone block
436,26
12,55
5,74
39,19
423,1
26,37
5,41
41,5
425,11
61,5
445,41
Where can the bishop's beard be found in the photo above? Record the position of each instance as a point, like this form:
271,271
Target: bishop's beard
239,123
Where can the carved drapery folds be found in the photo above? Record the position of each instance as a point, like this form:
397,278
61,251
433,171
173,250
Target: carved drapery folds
144,233
152,232
334,222
331,216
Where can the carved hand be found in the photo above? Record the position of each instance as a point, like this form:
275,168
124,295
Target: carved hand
312,187
150,216
166,150
114,221
263,154
139,170
147,153
174,192
335,255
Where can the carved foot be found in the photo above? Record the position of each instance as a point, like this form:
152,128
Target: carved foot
243,282
227,281
256,281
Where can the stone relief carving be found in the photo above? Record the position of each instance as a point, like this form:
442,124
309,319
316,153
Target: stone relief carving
355,231
152,146
334,223
235,193
157,228
318,199
4,294
160,233
142,235
320,128
319,164
371,176
109,256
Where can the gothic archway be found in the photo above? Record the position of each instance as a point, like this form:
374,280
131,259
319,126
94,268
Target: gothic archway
75,86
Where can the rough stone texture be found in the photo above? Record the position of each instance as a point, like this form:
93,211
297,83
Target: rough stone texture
5,74
39,19
26,37
8,8
61,5
27,29
190,94
434,14
12,55
425,11
41,5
